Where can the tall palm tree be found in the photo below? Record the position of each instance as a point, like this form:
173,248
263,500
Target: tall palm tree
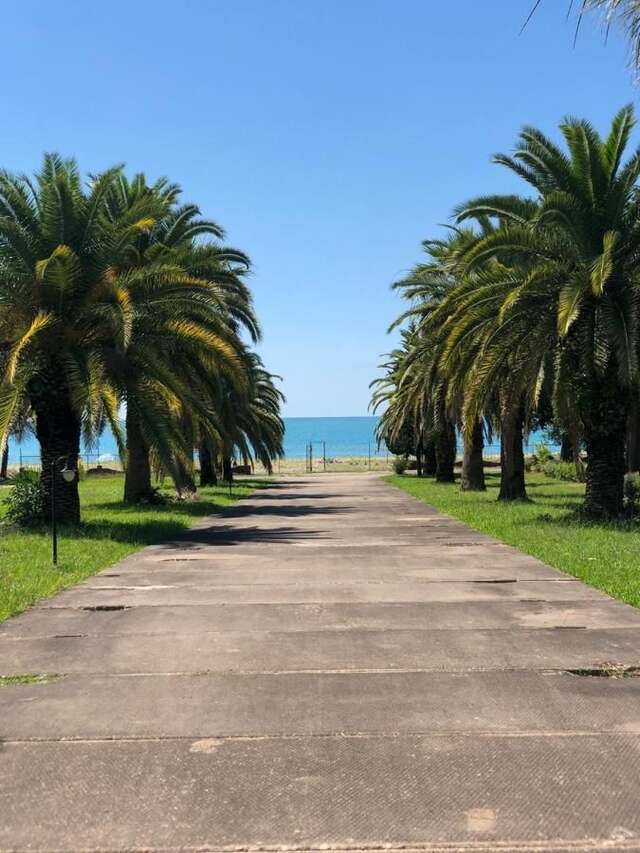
401,424
63,309
492,356
429,288
186,316
582,251
426,288
250,425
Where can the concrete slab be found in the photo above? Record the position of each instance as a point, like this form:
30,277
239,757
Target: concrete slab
336,792
215,573
203,618
213,705
357,558
164,594
323,651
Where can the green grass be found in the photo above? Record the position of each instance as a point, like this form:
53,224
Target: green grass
109,531
27,678
605,555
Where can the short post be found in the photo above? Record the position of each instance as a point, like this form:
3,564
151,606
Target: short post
54,519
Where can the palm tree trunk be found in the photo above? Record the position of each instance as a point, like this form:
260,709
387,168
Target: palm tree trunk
227,469
566,448
512,484
633,437
430,463
183,478
419,458
137,478
4,465
446,453
58,433
604,493
605,414
472,477
207,470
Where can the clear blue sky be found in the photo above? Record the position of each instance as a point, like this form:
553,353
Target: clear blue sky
328,138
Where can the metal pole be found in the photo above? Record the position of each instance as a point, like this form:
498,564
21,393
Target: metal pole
54,520
324,456
369,455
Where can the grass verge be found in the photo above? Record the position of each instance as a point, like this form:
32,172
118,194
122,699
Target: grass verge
109,531
604,555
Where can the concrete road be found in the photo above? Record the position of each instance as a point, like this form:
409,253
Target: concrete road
329,665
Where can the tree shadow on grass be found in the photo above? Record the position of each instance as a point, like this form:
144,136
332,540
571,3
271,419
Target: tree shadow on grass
144,524
145,532
203,503
574,519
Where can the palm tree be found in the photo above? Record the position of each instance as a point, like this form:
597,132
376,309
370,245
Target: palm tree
401,422
426,288
429,287
63,310
249,419
493,362
580,252
186,314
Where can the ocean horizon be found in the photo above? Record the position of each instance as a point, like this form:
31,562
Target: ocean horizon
335,437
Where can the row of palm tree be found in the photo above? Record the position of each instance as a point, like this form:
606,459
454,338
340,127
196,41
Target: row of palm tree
528,313
114,294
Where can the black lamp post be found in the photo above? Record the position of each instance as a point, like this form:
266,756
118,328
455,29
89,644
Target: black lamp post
68,475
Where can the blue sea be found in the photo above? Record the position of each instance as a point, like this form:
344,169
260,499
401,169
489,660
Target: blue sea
335,437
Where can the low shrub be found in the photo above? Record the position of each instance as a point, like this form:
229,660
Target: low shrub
400,464
543,454
25,475
632,493
24,501
537,461
561,471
